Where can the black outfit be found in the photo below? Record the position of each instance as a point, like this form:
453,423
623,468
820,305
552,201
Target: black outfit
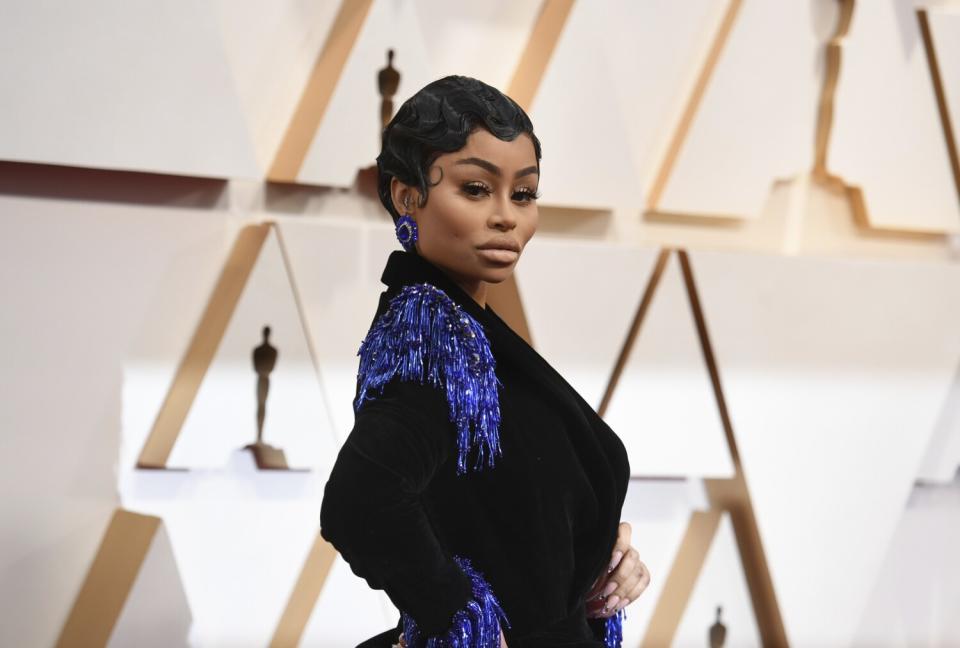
540,524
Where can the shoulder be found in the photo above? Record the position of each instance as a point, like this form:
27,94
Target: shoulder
422,336
425,338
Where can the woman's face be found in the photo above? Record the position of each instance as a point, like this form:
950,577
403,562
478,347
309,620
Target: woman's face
481,214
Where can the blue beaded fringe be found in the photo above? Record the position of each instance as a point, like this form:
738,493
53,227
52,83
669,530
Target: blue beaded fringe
613,629
425,336
477,625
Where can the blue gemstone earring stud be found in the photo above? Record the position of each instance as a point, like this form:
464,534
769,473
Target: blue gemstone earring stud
406,232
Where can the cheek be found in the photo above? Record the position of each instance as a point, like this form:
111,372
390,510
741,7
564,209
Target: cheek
457,218
530,225
446,221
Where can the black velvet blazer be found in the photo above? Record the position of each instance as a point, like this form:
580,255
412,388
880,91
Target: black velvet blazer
540,525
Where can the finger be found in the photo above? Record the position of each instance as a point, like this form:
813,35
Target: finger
641,585
597,589
624,531
626,573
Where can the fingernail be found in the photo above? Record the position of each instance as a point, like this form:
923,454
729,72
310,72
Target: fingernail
610,603
622,604
617,555
608,590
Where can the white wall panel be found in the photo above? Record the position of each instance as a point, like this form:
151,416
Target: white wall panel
721,583
755,123
240,537
658,512
75,287
348,137
834,372
120,85
942,459
271,48
917,591
222,417
481,39
577,325
664,407
640,57
338,267
348,611
155,614
887,135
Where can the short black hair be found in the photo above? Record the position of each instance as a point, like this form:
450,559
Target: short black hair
438,119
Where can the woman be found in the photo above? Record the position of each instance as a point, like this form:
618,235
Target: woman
476,488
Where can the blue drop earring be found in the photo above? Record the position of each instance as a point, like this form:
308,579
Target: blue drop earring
407,230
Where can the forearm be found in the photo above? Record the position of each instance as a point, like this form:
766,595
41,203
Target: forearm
385,536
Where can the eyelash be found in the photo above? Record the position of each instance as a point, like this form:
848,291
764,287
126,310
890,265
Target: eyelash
529,193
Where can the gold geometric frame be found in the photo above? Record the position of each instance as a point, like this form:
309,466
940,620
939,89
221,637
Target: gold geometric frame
318,90
690,109
724,495
936,78
834,182
305,594
504,297
207,337
109,580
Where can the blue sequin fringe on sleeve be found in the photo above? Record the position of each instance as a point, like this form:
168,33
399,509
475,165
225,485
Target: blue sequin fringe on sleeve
613,630
424,336
476,625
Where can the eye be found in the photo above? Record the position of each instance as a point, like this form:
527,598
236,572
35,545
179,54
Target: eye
476,189
525,194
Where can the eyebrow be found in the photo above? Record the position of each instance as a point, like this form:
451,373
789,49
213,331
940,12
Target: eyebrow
494,169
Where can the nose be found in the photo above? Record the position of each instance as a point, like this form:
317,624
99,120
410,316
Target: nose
504,216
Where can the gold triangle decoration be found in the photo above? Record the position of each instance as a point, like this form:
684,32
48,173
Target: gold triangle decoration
504,297
539,49
724,495
692,106
634,330
206,339
305,594
949,134
317,93
109,581
820,173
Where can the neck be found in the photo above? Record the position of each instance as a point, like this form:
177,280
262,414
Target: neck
476,288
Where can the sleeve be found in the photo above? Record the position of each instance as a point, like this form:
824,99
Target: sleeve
372,513
609,630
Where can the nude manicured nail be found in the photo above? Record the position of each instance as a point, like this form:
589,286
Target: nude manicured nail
622,604
617,555
608,590
610,603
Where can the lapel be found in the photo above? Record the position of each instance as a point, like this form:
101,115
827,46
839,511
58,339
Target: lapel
583,423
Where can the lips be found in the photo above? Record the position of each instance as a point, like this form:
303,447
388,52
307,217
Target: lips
501,244
502,251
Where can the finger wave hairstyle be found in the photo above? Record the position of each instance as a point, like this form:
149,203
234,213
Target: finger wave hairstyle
437,120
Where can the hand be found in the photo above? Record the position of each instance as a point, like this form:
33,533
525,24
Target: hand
503,641
624,581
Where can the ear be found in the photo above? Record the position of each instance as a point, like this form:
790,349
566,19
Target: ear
401,193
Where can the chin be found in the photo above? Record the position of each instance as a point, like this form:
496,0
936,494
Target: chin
498,275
